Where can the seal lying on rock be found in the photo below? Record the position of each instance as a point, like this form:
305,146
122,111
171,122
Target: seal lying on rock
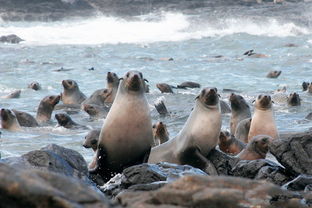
229,144
14,94
240,111
263,122
197,138
8,120
256,148
160,133
71,93
126,136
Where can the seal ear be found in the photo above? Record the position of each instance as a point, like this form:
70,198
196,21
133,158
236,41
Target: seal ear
145,80
272,101
196,97
253,101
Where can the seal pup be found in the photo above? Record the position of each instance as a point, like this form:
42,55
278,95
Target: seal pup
293,99
91,139
71,93
126,137
273,74
65,120
96,111
14,94
240,111
46,107
9,120
160,133
112,86
25,119
185,85
229,144
263,119
164,88
257,148
242,130
197,138
35,86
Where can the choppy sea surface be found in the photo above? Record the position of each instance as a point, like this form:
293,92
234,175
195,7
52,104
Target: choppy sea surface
145,43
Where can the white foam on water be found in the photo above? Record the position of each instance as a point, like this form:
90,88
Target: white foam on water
141,30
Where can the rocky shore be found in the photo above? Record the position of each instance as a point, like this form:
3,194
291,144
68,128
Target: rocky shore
58,177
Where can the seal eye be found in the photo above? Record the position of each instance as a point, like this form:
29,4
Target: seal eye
127,75
70,82
154,126
259,97
105,91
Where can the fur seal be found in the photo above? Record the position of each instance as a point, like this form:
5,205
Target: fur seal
197,138
305,86
96,111
310,88
91,139
25,119
273,74
256,148
14,94
240,111
71,93
293,99
251,54
263,119
185,85
161,108
242,130
126,137
164,88
112,86
160,133
35,86
46,107
65,120
9,120
97,98
229,144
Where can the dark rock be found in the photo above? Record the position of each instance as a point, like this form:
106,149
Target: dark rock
36,188
53,158
301,183
261,169
222,162
10,39
294,152
206,191
147,177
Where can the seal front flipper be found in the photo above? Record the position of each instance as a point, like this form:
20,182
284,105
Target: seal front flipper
98,161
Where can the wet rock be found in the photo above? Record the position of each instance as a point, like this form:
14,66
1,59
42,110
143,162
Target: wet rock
36,188
261,169
147,177
294,152
53,158
10,39
301,183
222,162
205,191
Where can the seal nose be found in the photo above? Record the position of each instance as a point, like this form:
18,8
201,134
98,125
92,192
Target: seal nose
160,123
212,90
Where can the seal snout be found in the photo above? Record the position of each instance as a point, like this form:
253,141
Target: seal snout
209,96
135,81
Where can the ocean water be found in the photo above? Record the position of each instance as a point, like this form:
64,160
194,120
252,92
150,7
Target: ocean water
145,43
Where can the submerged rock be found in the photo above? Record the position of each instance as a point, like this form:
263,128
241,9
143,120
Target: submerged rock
147,177
294,152
37,188
10,39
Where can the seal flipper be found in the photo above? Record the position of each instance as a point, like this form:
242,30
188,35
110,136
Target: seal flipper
161,108
192,156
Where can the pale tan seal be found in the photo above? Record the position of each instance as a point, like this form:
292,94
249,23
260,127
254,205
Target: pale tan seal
46,107
14,94
198,137
242,130
112,86
126,136
240,111
256,148
71,93
229,144
9,120
273,74
263,122
160,133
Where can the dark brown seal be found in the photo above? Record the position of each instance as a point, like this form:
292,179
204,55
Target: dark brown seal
242,130
185,85
91,139
25,119
35,86
293,99
160,133
229,144
164,88
256,148
65,120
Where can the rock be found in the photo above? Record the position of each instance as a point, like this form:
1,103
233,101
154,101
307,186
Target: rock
36,188
206,191
53,158
301,183
10,39
147,177
294,152
222,162
261,169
